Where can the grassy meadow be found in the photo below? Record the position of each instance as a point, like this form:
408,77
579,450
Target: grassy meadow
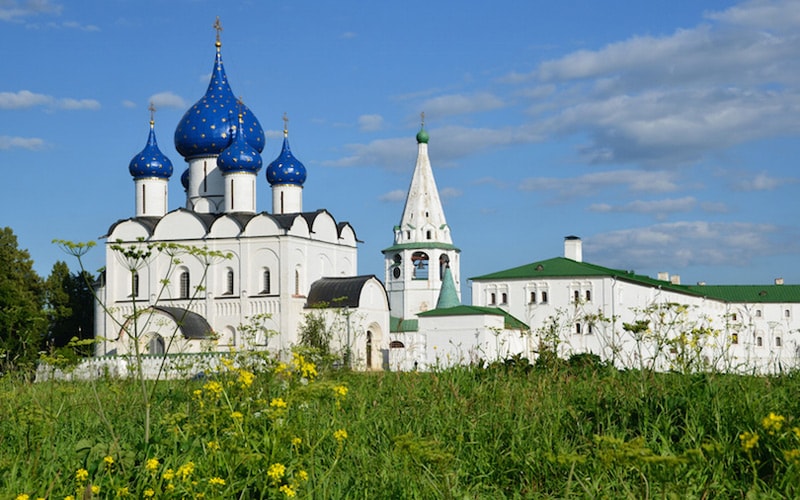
510,430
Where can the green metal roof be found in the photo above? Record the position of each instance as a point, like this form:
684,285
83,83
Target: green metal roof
510,322
402,325
422,245
448,296
561,267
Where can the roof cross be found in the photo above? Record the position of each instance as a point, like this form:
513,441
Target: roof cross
285,124
218,28
152,108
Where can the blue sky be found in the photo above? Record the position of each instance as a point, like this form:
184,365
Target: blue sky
663,133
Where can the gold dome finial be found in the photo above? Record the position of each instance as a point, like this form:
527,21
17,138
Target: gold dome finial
152,108
218,28
285,125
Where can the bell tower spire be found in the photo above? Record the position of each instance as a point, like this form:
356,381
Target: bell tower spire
423,247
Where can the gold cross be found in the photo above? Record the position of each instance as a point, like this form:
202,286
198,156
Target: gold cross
152,109
285,124
218,27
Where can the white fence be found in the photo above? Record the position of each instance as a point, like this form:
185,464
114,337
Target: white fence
176,366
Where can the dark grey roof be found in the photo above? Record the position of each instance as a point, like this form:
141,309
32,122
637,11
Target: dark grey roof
337,292
191,324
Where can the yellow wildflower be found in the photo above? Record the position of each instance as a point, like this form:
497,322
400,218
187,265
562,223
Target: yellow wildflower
149,493
278,403
69,497
302,475
276,472
246,378
23,496
168,475
186,470
151,465
749,440
287,490
213,445
81,475
340,435
792,455
296,441
213,387
340,390
198,393
122,492
109,461
282,367
237,415
216,481
169,487
772,422
95,489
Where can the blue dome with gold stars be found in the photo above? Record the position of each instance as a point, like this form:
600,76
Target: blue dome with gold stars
150,162
185,179
239,156
286,169
205,128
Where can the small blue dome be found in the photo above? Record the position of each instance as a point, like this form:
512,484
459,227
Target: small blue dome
150,162
185,180
204,129
239,156
286,169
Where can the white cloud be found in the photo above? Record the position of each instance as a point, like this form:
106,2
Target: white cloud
32,143
657,208
450,192
370,123
634,181
78,26
128,104
457,104
23,99
393,196
13,10
683,244
760,182
348,35
77,104
167,99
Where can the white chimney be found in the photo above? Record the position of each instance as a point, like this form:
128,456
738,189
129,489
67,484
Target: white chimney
663,276
573,249
675,279
779,281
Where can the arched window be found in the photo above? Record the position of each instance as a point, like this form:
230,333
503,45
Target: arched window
492,299
588,295
444,263
396,344
420,262
577,296
267,285
504,298
229,283
758,313
184,285
759,341
369,349
577,328
297,282
544,297
778,342
156,345
532,298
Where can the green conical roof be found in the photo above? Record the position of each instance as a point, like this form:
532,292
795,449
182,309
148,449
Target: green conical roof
448,297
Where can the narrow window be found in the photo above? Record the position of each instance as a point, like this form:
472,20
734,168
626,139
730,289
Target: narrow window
369,349
787,314
544,297
532,299
733,316
588,295
577,296
408,235
778,342
758,313
428,234
734,338
156,345
577,328
267,282
135,284
231,194
591,330
493,299
229,288
297,282
282,209
144,198
759,341
504,298
205,176
184,285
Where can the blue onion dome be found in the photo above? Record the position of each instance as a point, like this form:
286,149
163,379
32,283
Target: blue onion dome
239,156
286,169
151,162
422,136
204,128
185,180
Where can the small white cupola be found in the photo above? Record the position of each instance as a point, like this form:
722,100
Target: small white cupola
573,249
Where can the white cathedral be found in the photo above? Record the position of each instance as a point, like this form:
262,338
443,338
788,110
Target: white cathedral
283,264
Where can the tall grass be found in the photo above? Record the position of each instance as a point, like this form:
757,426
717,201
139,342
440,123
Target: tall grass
504,431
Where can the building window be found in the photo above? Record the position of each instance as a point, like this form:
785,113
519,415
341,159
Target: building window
135,284
758,313
420,262
532,299
428,234
492,299
297,282
544,297
590,330
734,338
184,284
588,295
504,298
733,316
229,283
156,345
267,283
444,263
577,295
577,328
396,344
759,341
787,314
369,349
778,342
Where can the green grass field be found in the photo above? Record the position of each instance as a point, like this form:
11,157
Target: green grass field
506,431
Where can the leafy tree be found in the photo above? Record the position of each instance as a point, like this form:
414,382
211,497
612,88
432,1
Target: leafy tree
22,319
69,306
